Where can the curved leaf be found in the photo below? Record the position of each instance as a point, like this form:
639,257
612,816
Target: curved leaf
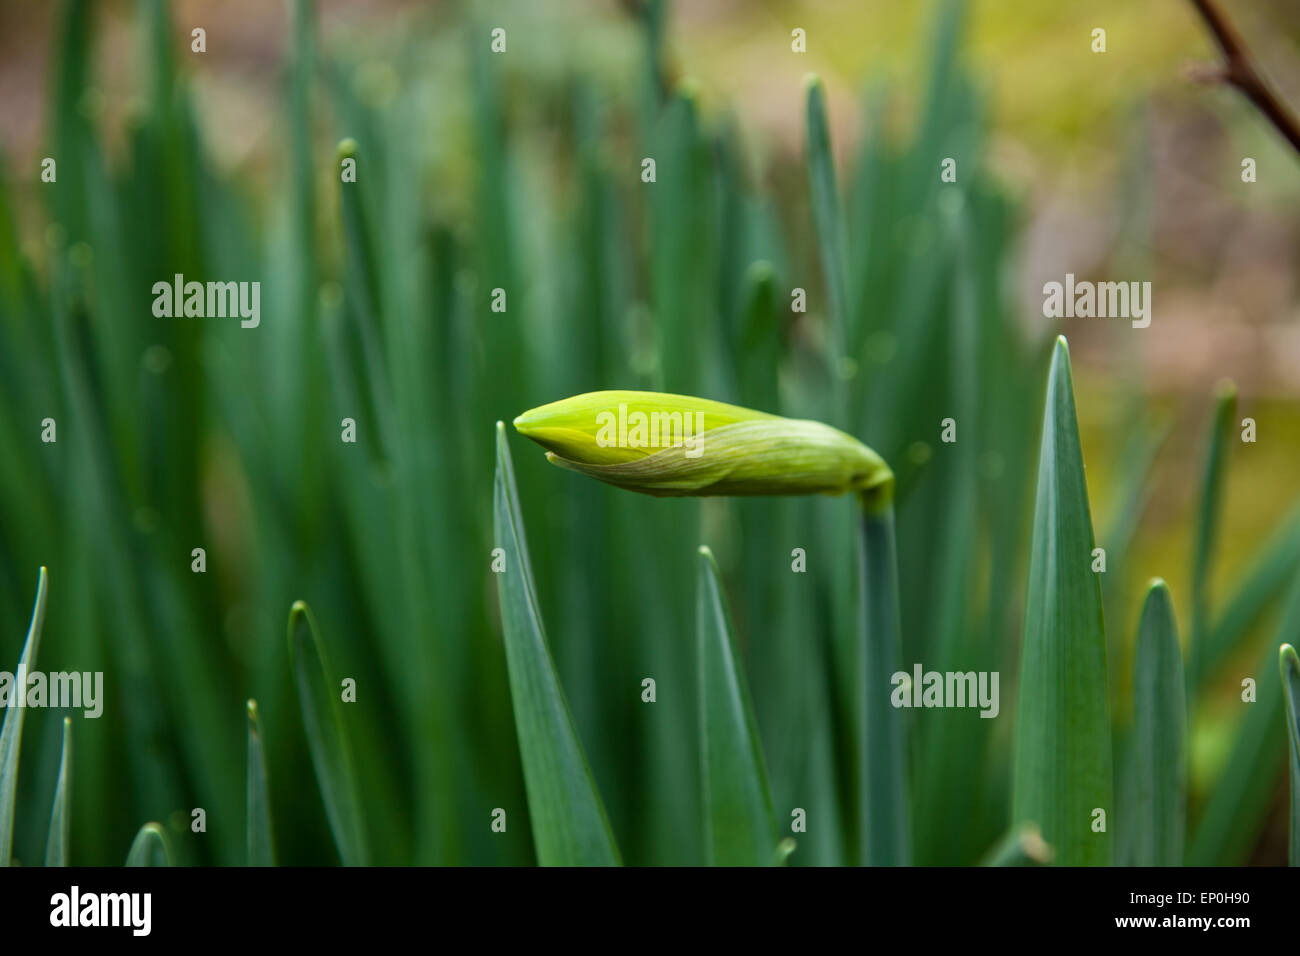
56,845
569,823
322,717
151,847
1238,803
261,851
11,737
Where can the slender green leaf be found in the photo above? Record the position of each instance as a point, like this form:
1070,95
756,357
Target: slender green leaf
1160,735
1289,665
683,238
322,717
261,850
828,215
739,824
151,847
1023,846
1207,527
653,16
781,855
1063,758
886,830
1239,801
950,746
56,845
12,734
569,823
758,340
364,293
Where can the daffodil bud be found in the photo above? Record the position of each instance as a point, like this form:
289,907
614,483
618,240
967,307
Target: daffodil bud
674,445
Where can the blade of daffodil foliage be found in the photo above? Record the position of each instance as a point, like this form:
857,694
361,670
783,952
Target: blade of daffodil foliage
151,847
12,734
1063,756
740,828
1159,735
261,850
570,827
56,843
327,739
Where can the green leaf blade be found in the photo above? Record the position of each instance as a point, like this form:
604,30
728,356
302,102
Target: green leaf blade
570,827
11,735
1239,801
828,216
1160,735
322,718
261,850
740,825
56,845
151,847
1063,769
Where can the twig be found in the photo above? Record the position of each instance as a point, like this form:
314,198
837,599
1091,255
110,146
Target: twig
1241,73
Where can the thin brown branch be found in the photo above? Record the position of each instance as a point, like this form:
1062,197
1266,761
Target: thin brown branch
1239,71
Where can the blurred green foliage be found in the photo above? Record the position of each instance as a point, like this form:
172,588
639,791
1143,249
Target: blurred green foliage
175,434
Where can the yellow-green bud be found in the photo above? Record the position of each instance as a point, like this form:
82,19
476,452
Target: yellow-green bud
673,445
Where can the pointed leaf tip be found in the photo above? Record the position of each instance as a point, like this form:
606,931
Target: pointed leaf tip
327,740
783,850
151,847
740,826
